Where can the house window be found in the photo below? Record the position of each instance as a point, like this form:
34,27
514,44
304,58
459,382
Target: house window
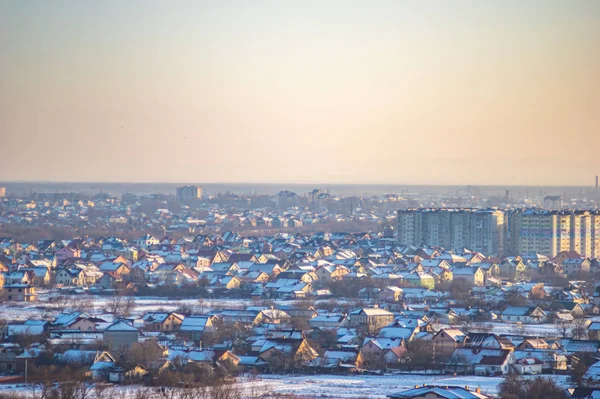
20,290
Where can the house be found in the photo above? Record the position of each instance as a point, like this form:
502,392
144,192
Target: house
486,362
225,283
271,316
524,314
147,241
390,294
331,272
370,320
120,335
41,275
286,353
573,308
419,280
79,321
489,341
212,357
327,321
8,359
70,276
19,293
336,361
104,362
22,276
514,270
110,280
439,392
393,357
68,252
118,266
573,266
490,270
532,343
162,321
195,327
594,331
447,340
469,276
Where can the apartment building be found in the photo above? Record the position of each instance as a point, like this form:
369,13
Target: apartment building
189,193
552,232
480,230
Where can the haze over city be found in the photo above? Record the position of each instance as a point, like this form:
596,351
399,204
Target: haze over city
307,92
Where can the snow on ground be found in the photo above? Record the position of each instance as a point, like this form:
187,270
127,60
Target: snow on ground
343,387
354,387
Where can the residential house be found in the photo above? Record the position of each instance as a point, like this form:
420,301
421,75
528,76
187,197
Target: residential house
328,321
573,266
469,276
336,361
371,320
447,340
76,321
110,280
162,321
524,314
20,293
286,353
68,252
390,294
70,276
195,327
419,280
331,272
485,362
120,335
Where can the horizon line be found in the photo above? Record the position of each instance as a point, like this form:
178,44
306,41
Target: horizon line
292,183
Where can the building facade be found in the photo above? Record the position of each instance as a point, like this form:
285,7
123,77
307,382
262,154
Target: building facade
480,230
189,193
553,232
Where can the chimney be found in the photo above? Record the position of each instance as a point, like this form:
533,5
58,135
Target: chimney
478,390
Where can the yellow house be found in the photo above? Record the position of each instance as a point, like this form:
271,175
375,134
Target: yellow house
19,293
471,276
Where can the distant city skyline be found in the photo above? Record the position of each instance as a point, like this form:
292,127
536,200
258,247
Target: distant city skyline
333,92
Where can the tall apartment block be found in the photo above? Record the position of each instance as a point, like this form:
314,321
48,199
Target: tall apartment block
189,193
480,230
551,232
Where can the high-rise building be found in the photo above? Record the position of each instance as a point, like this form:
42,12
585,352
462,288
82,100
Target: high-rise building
595,233
479,230
552,232
2,192
189,193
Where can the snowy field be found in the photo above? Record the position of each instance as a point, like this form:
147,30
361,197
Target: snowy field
345,387
354,387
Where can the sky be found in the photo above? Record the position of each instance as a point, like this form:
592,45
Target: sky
307,91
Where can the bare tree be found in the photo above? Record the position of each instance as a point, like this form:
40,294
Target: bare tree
121,305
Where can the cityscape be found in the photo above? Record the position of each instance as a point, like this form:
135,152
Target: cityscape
293,199
275,294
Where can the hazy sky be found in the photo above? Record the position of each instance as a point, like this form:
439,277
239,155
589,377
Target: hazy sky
423,92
